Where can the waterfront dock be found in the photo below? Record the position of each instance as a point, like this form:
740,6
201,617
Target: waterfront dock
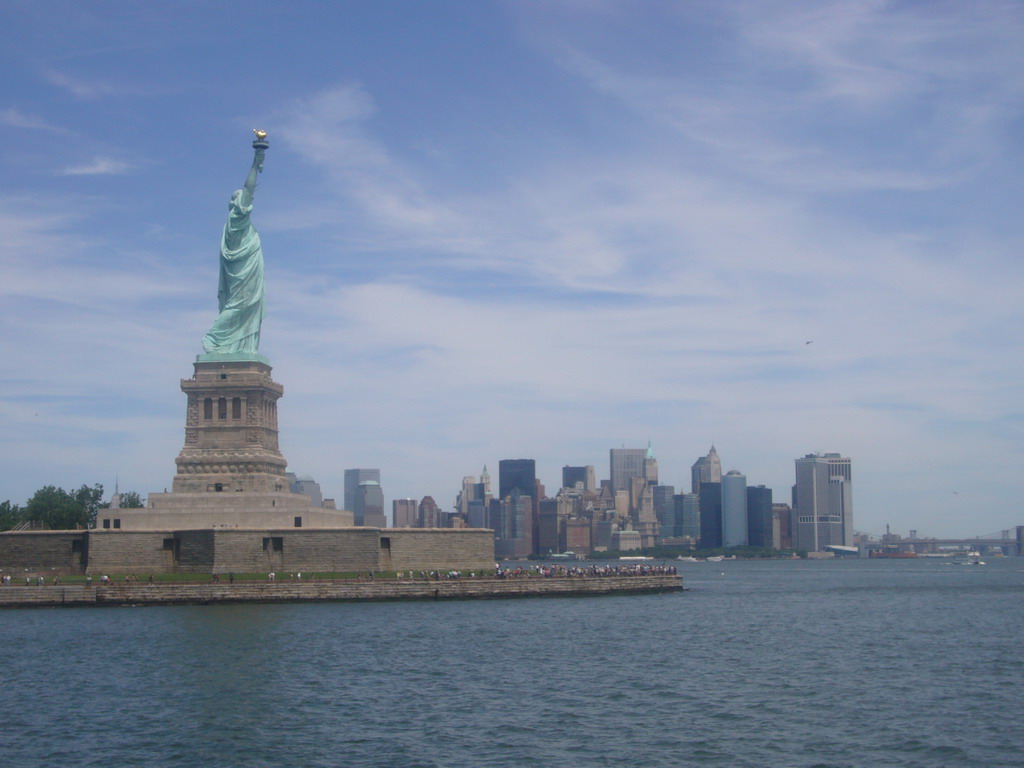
341,590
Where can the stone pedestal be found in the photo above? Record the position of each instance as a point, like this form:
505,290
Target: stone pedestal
230,472
231,429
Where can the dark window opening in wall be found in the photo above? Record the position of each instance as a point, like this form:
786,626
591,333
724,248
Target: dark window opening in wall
172,551
223,375
76,547
218,487
222,408
208,408
236,408
117,522
298,522
385,543
273,544
106,522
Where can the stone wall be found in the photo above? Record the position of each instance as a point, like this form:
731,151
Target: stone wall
178,511
295,550
140,552
426,549
142,593
60,551
113,552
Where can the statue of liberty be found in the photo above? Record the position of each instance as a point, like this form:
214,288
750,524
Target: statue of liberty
240,291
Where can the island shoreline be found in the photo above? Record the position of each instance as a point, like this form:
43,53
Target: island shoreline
139,594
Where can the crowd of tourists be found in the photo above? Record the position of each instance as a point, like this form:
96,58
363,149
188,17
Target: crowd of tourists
591,571
544,572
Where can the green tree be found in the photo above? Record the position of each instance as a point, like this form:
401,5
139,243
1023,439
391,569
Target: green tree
62,510
10,515
131,500
90,499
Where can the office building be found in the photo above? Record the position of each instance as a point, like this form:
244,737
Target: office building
511,519
428,514
734,509
404,513
762,522
583,475
707,469
517,475
687,515
625,464
369,509
710,502
665,510
473,490
353,477
303,484
823,502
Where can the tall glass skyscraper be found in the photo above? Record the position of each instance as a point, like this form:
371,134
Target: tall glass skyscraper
823,508
734,509
625,464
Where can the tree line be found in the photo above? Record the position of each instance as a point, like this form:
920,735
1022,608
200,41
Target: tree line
57,509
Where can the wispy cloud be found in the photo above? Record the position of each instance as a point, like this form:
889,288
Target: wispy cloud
816,91
328,131
87,89
100,166
13,117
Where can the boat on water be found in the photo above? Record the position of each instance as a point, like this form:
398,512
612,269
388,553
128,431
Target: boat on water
970,558
892,553
842,551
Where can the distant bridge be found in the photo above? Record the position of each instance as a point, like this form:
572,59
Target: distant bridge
1010,547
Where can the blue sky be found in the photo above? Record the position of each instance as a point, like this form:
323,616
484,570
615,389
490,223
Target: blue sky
528,230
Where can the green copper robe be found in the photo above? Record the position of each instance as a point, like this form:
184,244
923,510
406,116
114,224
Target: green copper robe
240,291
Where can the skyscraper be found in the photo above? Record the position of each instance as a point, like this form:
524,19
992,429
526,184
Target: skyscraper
707,469
665,509
625,464
369,509
823,502
353,477
404,513
300,484
734,509
687,515
650,466
511,522
472,490
429,516
517,475
710,504
584,475
761,525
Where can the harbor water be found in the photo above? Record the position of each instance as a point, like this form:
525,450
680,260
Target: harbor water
758,663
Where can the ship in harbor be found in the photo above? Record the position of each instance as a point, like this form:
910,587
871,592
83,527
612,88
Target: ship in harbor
892,552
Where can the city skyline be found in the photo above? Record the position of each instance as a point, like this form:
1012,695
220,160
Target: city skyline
502,229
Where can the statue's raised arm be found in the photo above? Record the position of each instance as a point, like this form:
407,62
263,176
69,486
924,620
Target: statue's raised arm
240,289
260,145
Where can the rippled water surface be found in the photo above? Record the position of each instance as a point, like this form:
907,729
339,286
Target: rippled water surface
857,663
